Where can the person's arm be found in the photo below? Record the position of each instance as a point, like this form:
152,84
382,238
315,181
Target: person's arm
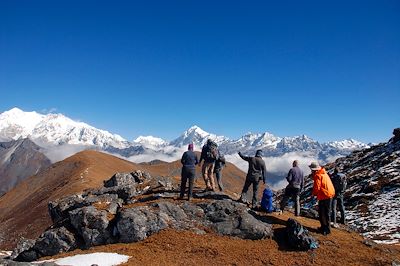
196,159
317,185
264,172
289,176
183,159
243,157
302,181
202,155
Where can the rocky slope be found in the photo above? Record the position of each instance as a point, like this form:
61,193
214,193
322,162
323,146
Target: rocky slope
23,210
372,198
19,159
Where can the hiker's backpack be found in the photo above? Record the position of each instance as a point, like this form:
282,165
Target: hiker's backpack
339,183
267,200
212,151
299,237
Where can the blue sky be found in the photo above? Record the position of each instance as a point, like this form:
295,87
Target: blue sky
330,70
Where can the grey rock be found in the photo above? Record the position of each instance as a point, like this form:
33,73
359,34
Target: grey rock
120,179
92,225
24,251
233,219
55,241
59,209
138,223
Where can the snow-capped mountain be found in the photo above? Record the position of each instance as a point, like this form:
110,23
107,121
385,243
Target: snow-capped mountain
62,137
150,142
54,129
197,136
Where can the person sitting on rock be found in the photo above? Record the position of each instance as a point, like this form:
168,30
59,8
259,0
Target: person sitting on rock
295,178
256,172
189,161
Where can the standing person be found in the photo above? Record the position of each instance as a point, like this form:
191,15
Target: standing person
189,160
324,191
339,183
256,172
295,178
209,154
218,166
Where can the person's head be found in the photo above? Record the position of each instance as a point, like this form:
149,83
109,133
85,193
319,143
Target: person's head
314,166
259,153
295,163
190,147
209,141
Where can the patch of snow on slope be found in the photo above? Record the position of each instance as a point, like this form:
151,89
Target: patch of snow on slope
99,258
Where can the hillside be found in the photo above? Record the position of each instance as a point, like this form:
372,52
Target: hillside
373,190
171,247
19,159
84,170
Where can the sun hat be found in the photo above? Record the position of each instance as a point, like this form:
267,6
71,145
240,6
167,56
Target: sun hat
314,166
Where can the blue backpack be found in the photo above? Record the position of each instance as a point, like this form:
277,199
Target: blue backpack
267,200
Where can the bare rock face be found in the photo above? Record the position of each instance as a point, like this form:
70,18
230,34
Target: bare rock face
19,159
396,133
130,208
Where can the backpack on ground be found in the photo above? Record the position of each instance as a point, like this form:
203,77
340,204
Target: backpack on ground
339,183
299,237
267,200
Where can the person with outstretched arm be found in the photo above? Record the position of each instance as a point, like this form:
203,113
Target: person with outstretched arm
256,172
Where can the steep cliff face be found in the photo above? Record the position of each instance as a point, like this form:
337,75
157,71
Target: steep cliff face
19,159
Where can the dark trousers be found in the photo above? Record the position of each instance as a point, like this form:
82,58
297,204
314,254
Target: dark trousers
338,202
247,184
294,193
218,175
187,174
324,211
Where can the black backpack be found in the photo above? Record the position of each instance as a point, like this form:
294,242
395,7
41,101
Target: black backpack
299,237
212,151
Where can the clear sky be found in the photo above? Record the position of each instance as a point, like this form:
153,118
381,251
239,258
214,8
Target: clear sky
327,69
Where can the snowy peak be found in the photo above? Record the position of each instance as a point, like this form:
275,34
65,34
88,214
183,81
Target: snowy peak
150,141
197,136
348,144
54,129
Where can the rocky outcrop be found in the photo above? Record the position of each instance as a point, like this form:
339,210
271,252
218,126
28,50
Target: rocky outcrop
131,207
373,190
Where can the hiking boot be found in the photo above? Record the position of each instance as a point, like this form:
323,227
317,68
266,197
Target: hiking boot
335,225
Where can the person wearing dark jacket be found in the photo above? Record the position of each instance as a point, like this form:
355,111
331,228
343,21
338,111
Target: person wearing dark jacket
339,183
219,164
295,178
257,171
189,161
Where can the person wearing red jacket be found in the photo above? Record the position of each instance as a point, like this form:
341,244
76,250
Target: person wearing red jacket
324,191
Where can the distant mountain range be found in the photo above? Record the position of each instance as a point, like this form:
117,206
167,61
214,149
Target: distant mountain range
60,137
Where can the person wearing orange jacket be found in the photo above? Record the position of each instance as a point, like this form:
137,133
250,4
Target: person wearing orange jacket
324,191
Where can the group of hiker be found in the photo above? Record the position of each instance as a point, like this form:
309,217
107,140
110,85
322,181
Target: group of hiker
328,189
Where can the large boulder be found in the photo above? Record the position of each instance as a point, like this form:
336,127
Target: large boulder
55,241
136,224
24,251
233,219
127,179
92,225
